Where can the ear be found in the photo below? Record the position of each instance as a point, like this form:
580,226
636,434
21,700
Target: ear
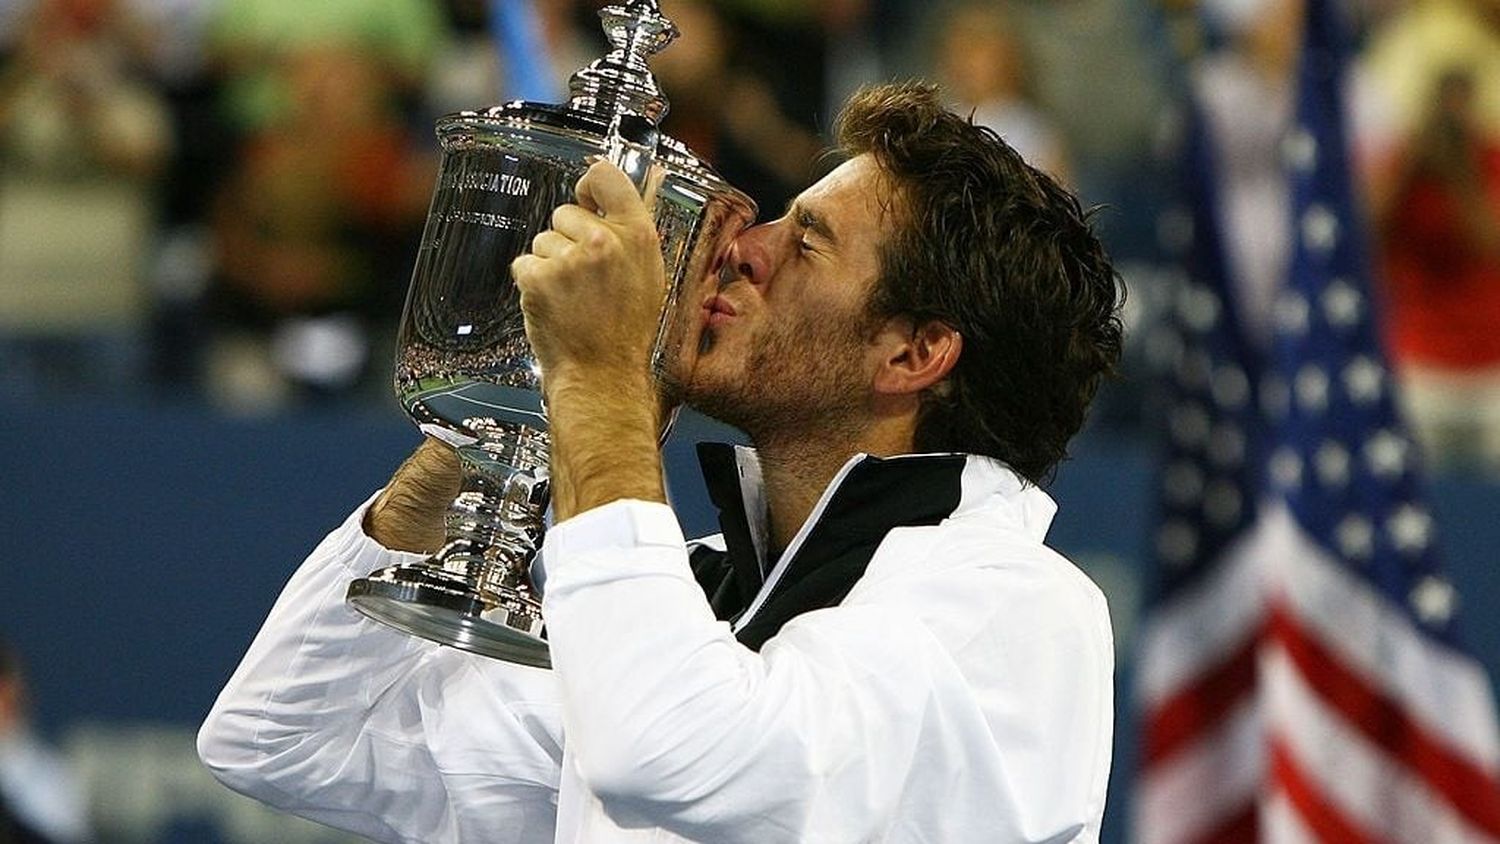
915,356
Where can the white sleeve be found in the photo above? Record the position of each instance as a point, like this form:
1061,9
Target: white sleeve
350,723
672,722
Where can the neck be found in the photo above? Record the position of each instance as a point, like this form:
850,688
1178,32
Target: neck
796,470
795,477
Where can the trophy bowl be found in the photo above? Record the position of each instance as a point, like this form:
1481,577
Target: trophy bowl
464,370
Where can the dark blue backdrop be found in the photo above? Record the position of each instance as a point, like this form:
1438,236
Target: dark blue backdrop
142,545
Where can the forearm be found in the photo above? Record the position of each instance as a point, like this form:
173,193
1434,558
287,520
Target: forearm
351,723
312,642
314,667
669,716
659,699
591,289
604,431
408,513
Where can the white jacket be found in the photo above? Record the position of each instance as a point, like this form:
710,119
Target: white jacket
960,692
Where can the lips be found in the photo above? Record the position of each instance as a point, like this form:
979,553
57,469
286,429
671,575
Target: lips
718,310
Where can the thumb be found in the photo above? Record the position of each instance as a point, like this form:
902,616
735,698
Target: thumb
606,190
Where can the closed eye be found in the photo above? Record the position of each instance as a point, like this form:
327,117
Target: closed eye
811,224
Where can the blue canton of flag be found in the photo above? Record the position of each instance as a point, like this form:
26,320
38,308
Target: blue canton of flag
1208,487
1345,465
1197,669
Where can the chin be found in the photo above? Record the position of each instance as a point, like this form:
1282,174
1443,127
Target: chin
703,385
681,378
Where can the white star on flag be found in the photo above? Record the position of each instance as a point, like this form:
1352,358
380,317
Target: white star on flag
1364,380
1342,304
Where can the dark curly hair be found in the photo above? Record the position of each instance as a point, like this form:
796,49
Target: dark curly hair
999,251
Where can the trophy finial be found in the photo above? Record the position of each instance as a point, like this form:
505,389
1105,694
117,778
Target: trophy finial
622,83
638,28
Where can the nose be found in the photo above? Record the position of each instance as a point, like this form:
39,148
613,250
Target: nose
750,255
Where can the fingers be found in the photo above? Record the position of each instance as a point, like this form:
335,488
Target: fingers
609,217
551,244
606,189
574,221
524,271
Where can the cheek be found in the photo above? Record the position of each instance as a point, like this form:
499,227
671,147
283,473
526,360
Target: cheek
714,350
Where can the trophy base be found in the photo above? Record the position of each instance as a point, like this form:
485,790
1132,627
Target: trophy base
441,608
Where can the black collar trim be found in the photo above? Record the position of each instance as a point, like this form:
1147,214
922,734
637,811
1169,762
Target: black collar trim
870,497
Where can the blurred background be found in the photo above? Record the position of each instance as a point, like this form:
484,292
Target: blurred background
209,211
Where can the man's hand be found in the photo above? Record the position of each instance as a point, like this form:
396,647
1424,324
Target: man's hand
592,291
408,515
592,286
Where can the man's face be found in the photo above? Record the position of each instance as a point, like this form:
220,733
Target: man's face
785,341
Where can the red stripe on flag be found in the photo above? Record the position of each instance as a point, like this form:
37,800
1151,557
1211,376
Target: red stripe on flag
1383,721
1181,719
1240,828
1329,825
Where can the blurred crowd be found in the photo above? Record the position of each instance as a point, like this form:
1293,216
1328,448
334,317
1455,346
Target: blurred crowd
221,200
42,800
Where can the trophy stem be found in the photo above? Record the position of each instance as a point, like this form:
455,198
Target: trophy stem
495,523
475,592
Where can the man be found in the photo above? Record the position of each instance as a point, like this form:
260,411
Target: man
910,348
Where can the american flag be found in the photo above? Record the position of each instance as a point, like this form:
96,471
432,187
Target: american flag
1301,677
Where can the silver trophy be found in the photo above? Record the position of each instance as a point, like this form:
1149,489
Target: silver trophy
464,370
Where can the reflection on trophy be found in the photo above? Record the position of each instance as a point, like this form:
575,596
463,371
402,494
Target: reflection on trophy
464,370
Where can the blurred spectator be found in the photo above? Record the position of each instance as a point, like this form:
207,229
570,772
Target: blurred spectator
204,150
854,48
573,35
1420,42
470,72
729,114
82,139
1435,65
315,232
1440,233
784,43
982,62
1245,90
251,40
315,226
1092,67
466,73
40,801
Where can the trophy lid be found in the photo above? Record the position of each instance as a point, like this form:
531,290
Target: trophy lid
618,85
621,83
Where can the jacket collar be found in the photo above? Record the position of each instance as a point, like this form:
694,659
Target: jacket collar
867,498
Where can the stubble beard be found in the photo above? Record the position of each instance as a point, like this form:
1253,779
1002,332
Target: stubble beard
800,382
